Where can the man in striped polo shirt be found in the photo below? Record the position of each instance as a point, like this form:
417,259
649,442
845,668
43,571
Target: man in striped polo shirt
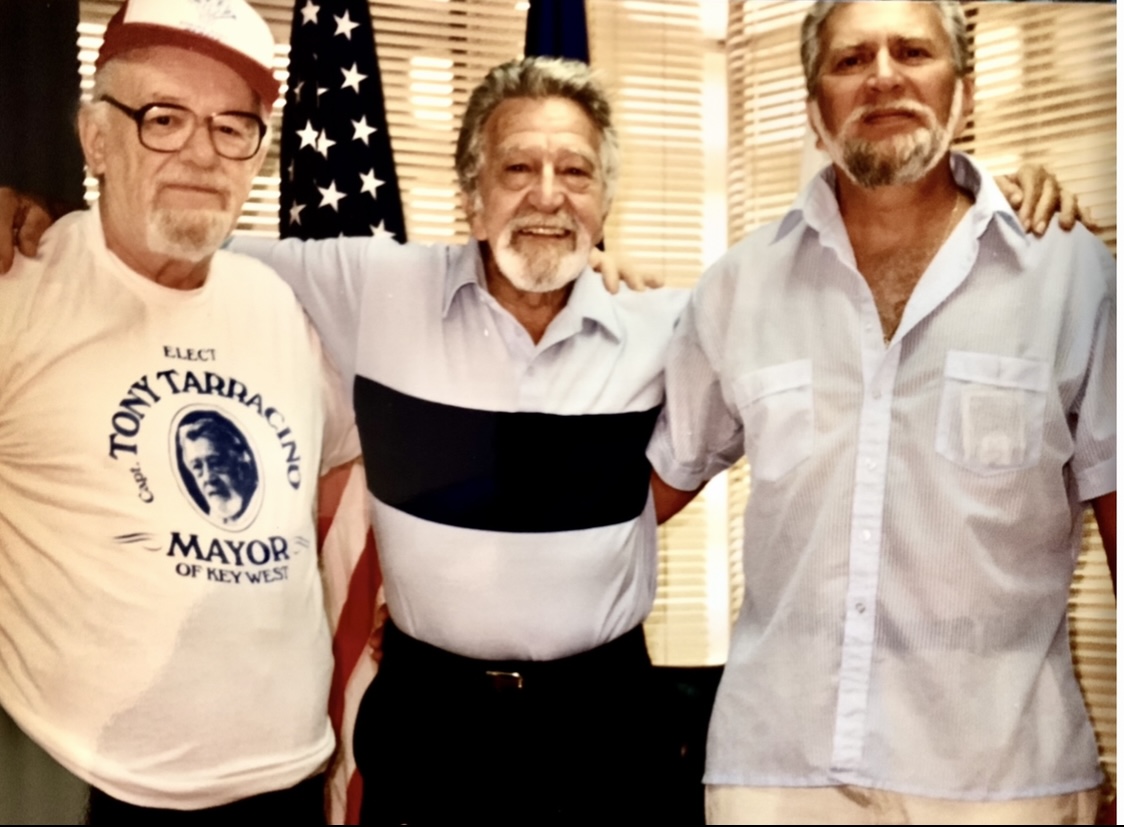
505,400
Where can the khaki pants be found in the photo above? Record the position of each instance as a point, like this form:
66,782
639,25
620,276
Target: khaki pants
861,805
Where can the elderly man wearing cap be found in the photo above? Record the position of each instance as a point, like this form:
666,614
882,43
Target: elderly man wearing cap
172,659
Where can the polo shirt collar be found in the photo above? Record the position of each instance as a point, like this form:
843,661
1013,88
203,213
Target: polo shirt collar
466,267
588,300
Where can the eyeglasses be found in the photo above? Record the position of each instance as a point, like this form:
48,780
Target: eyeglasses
166,127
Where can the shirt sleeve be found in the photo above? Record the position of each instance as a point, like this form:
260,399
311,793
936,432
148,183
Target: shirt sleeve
340,442
329,279
697,434
1094,457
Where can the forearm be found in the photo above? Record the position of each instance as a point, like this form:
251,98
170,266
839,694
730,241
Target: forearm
669,501
1104,509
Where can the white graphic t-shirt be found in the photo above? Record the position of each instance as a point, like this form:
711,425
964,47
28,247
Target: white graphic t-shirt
162,629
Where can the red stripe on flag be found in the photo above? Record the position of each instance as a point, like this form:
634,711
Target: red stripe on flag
330,492
356,623
351,579
354,798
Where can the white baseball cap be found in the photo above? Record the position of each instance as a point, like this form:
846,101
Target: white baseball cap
229,31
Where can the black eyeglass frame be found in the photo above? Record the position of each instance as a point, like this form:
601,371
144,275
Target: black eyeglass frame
138,115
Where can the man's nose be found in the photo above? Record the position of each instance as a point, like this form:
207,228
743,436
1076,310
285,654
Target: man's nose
885,72
545,193
199,147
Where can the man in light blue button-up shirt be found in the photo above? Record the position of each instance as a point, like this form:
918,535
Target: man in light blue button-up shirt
926,396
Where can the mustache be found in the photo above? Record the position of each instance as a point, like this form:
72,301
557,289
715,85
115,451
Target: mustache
902,106
561,221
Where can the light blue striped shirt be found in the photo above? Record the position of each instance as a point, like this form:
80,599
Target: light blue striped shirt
916,507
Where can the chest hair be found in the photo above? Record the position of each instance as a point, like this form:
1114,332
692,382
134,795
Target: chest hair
893,264
892,274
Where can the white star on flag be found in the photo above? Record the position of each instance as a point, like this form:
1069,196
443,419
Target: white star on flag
362,131
344,24
324,143
297,90
381,231
295,213
370,182
291,170
309,12
307,136
331,196
352,77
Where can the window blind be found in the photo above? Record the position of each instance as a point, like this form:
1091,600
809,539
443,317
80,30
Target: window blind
664,72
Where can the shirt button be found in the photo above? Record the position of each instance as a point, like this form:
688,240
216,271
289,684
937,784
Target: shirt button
869,327
871,464
876,393
866,534
860,607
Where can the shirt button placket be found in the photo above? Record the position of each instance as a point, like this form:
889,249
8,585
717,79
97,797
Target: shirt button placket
862,583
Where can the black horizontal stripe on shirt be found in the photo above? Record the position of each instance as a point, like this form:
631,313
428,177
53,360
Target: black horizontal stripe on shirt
502,471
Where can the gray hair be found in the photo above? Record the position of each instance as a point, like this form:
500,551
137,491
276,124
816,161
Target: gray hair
949,11
535,78
103,82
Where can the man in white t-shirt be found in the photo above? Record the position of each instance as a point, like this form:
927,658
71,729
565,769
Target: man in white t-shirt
162,431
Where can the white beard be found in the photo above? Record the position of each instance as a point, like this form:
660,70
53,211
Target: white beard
900,159
186,234
547,268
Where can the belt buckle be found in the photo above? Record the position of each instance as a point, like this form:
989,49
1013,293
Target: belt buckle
504,681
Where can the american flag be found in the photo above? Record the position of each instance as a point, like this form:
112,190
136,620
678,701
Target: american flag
337,169
338,179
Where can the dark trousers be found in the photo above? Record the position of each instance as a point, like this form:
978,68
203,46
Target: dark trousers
302,804
441,738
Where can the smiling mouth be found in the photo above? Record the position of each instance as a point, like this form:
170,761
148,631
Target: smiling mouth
544,232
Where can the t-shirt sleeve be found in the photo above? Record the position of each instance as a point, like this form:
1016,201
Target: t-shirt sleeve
697,435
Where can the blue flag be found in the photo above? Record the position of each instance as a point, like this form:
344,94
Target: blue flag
337,168
556,28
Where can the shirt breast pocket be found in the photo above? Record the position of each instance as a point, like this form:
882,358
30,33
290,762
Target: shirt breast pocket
993,411
777,416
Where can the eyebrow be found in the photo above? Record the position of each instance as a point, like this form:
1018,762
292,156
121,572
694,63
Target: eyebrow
504,152
867,42
161,98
